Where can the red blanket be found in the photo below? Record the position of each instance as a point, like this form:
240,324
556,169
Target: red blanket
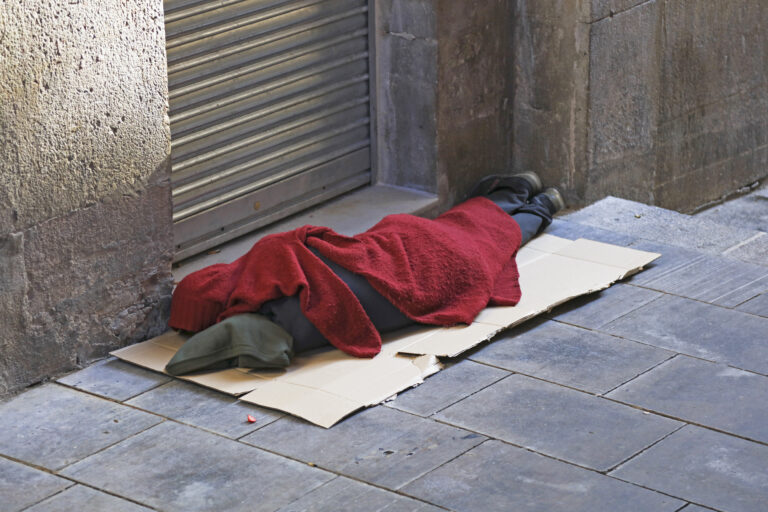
440,272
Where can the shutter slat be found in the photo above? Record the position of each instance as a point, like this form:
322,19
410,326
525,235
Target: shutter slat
269,111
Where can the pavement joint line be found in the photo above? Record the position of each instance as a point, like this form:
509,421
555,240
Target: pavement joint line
635,455
105,491
687,500
352,477
690,422
658,347
700,256
487,438
48,497
611,399
648,411
109,446
673,356
549,316
172,420
357,479
744,242
105,360
648,287
509,373
762,278
167,418
73,481
596,471
365,483
708,507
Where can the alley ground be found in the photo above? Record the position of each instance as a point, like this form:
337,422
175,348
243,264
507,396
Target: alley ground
650,396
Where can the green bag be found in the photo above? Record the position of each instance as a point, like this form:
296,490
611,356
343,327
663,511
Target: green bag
249,340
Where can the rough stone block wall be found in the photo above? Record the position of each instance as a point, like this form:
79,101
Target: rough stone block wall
660,101
550,45
474,104
444,93
85,223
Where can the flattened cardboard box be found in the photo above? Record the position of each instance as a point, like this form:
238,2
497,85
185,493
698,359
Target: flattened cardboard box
325,386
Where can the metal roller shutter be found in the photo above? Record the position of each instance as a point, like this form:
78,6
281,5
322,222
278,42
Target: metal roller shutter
269,110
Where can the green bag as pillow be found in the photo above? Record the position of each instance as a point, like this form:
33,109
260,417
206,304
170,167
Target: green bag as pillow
249,340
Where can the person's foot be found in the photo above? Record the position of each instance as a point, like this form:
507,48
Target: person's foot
529,180
551,198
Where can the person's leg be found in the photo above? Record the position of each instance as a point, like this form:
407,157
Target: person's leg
534,216
508,192
530,225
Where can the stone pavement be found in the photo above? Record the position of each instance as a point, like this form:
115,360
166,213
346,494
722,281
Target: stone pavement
649,396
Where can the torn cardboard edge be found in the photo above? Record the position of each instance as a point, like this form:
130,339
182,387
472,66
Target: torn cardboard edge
327,385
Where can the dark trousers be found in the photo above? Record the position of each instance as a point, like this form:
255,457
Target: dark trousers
532,217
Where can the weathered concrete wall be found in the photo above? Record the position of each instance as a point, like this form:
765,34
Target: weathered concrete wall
85,241
679,101
551,71
660,101
474,101
444,93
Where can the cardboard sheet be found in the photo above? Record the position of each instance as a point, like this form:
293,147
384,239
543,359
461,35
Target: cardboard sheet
326,385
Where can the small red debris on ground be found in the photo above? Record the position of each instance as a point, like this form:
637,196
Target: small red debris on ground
251,419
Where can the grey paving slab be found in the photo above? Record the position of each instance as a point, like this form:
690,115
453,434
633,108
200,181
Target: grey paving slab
671,259
755,250
345,495
497,477
714,279
52,426
447,387
757,305
660,225
380,445
204,408
597,309
84,499
114,379
174,467
571,356
698,329
22,486
705,467
710,394
557,421
696,508
574,230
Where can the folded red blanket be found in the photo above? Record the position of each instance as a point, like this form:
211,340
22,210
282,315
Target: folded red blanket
440,272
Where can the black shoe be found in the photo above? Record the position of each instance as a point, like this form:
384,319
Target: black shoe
529,179
551,198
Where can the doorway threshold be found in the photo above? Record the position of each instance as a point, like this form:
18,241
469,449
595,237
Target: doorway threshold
349,214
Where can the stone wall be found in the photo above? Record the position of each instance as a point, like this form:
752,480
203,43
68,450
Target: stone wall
85,239
444,93
660,101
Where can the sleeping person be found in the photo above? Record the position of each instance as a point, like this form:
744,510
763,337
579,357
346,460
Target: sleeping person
312,287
